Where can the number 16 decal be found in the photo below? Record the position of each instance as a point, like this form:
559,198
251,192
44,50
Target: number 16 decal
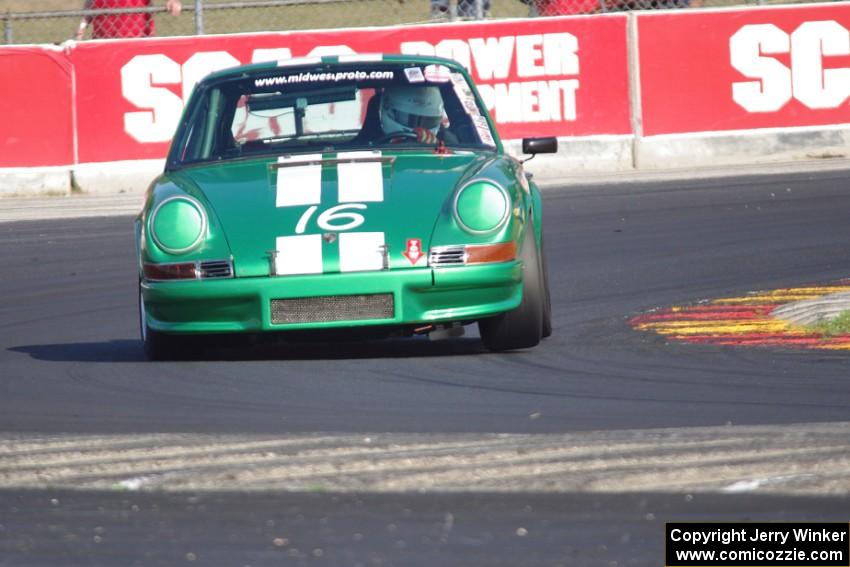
327,219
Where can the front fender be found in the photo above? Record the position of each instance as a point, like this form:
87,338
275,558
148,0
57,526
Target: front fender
214,245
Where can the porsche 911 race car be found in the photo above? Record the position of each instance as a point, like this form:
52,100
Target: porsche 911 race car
354,193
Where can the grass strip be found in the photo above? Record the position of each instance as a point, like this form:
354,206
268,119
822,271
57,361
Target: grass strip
832,327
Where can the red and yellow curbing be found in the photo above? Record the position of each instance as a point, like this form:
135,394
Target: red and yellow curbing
744,321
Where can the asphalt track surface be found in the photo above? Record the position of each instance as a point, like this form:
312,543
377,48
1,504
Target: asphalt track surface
72,368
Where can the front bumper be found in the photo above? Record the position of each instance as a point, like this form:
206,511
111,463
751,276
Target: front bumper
421,295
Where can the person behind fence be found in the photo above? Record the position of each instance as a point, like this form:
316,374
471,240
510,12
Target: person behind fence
465,9
573,7
107,26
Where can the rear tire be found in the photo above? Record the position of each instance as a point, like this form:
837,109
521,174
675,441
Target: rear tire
521,327
547,297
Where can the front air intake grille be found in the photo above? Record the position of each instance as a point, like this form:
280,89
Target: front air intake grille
332,308
216,269
447,256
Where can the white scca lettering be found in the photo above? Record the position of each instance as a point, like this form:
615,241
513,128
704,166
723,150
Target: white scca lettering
455,49
449,48
492,56
815,86
162,107
202,64
532,101
326,50
532,56
560,53
807,81
557,52
145,77
547,54
528,53
140,77
773,89
275,54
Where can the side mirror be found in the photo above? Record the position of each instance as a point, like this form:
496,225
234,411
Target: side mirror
539,145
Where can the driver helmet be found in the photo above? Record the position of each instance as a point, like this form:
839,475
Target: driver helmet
406,108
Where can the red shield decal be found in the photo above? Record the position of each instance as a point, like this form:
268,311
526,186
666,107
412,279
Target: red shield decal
413,252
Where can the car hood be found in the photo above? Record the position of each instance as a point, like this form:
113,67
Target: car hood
331,213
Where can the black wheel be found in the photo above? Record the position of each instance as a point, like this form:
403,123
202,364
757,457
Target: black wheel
158,346
522,327
547,297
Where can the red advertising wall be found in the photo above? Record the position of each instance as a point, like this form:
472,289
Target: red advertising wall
36,125
554,76
700,71
742,69
540,77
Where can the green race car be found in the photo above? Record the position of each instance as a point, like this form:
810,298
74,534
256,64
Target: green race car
368,194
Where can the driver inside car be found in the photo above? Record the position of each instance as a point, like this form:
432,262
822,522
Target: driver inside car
412,110
406,114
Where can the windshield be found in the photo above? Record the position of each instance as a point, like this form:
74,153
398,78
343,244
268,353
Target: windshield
336,109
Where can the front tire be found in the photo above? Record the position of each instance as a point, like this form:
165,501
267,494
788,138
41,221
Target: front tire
521,327
157,346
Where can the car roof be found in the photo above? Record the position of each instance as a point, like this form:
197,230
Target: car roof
331,61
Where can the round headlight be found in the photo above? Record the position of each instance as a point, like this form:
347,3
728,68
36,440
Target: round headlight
481,206
178,224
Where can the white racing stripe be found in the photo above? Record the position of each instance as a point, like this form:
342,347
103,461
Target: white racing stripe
299,184
360,182
298,255
360,251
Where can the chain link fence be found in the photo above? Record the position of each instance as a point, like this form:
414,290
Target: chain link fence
24,21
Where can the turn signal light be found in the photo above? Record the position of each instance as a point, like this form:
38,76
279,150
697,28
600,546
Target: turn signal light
182,271
502,252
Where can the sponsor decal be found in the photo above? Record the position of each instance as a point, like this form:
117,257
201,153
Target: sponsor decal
310,77
483,129
413,252
437,74
467,98
414,75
